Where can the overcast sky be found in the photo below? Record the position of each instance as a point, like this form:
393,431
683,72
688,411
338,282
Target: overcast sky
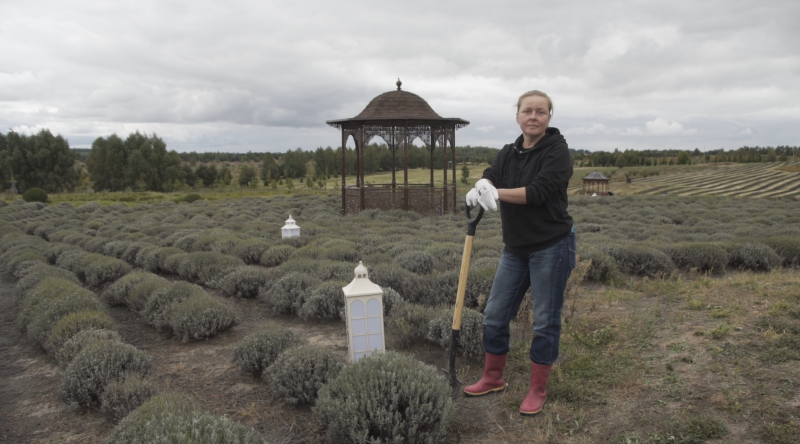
265,76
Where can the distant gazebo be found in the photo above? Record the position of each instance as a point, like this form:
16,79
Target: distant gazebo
399,117
595,184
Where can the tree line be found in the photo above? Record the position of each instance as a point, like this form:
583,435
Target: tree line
142,162
635,158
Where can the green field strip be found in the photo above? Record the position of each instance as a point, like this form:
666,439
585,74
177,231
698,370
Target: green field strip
733,193
709,184
776,185
716,183
719,186
661,189
795,194
764,179
734,183
703,177
795,190
723,189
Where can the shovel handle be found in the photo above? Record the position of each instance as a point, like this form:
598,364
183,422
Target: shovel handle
472,223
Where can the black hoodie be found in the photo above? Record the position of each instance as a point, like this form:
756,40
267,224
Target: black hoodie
544,171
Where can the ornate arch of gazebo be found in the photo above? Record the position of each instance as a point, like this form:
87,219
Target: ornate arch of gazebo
399,117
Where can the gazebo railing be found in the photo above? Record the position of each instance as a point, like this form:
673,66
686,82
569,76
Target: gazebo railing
399,186
422,199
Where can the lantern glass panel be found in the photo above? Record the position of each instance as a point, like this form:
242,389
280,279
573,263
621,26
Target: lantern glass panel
360,343
375,342
373,308
358,356
374,325
357,309
359,326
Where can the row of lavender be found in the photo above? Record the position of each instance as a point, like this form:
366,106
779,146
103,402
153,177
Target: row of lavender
297,373
101,371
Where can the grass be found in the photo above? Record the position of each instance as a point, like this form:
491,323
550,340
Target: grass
720,377
133,198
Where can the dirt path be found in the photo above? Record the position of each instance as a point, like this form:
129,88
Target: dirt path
31,410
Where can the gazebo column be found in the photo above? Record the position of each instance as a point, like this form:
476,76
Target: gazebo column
393,147
432,147
453,148
361,168
358,160
444,175
344,182
405,168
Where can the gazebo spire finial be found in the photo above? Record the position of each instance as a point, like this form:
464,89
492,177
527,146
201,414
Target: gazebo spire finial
399,83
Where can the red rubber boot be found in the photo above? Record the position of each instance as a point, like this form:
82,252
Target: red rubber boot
537,392
492,379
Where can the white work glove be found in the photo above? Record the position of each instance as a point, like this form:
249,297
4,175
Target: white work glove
484,194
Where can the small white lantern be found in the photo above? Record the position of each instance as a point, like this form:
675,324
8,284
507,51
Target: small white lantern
290,229
363,302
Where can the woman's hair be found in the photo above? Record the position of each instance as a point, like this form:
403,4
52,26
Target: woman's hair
535,92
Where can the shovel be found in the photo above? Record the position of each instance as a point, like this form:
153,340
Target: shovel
462,289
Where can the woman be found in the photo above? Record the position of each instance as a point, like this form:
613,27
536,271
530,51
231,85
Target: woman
530,178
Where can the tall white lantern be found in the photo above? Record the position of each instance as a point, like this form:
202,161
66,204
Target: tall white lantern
290,229
363,301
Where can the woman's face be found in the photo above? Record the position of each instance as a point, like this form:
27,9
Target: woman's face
533,116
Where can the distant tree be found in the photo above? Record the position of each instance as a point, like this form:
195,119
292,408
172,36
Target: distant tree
206,174
327,161
294,163
246,174
771,156
465,174
269,168
41,160
683,158
5,164
225,175
107,162
188,176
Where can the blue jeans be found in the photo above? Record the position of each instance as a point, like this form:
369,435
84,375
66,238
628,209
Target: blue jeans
545,273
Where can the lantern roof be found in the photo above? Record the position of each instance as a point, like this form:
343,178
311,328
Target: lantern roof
596,176
361,285
290,223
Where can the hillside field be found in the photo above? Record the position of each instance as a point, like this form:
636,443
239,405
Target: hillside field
760,180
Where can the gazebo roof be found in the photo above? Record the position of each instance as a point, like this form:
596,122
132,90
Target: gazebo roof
596,176
400,106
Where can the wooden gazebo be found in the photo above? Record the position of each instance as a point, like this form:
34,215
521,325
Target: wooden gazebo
399,117
595,184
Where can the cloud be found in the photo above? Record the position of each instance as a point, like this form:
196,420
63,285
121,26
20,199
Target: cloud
596,128
222,76
660,126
